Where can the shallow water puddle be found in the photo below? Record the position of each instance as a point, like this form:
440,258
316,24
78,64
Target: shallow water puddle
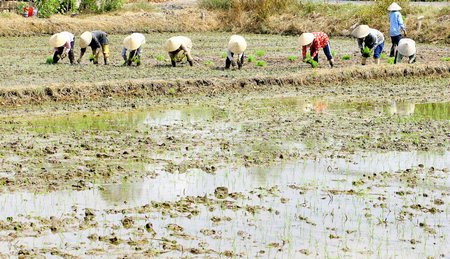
310,207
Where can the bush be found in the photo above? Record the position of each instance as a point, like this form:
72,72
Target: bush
88,6
49,7
251,58
346,57
110,5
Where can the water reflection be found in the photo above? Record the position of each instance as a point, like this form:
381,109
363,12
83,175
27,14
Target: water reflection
402,108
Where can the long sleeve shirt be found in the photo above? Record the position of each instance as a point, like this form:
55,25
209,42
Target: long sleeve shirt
186,47
99,38
372,40
230,55
67,46
319,42
141,39
396,23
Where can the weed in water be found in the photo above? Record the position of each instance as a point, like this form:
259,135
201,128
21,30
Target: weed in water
346,57
251,58
260,53
261,63
49,60
391,61
292,58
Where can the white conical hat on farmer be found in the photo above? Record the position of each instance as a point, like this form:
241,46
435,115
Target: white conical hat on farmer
305,39
237,44
174,43
406,47
57,40
361,31
134,41
85,39
394,7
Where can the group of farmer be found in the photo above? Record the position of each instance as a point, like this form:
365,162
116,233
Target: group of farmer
179,47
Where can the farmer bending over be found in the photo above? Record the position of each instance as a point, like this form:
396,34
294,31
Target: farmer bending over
96,40
315,41
236,45
396,24
406,48
133,43
370,38
179,47
63,44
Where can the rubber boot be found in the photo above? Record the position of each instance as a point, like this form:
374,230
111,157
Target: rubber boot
331,61
363,61
106,60
377,61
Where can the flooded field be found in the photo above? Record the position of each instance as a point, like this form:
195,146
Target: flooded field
321,172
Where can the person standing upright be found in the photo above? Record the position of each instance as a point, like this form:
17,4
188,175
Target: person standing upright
396,25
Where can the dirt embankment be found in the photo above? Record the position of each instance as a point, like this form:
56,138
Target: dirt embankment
148,87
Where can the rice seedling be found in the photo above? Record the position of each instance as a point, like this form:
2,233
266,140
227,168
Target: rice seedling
292,58
383,55
260,53
223,55
391,60
366,52
311,61
445,59
49,60
160,58
333,53
209,63
346,57
171,91
251,58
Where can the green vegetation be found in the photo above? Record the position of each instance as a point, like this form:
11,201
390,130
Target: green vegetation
346,57
383,56
260,53
261,63
292,58
333,53
311,61
209,63
160,58
49,60
91,57
251,58
223,55
445,59
215,4
366,52
391,60
171,91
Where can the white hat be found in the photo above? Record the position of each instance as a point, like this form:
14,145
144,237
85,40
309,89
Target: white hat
85,39
134,41
237,44
406,47
394,7
305,39
57,40
174,43
361,31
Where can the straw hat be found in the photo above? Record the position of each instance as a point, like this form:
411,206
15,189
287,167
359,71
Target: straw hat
85,39
361,31
305,39
394,7
57,40
406,47
134,41
237,44
174,43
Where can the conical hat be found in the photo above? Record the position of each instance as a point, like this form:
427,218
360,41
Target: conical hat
394,7
237,44
134,41
406,47
305,39
174,43
361,31
57,40
85,39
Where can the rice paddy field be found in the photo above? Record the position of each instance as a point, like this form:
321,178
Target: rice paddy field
331,169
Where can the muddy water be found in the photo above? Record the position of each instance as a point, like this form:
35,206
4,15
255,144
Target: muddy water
362,205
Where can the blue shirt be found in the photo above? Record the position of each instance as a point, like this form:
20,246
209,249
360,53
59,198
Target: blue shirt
396,20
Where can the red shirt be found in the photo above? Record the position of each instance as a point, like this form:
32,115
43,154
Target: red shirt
319,42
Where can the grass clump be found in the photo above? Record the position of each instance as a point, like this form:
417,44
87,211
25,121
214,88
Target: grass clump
251,58
49,60
366,52
391,60
346,57
445,59
261,63
260,53
292,58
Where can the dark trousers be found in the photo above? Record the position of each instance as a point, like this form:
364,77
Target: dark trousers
326,50
228,62
59,52
395,40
